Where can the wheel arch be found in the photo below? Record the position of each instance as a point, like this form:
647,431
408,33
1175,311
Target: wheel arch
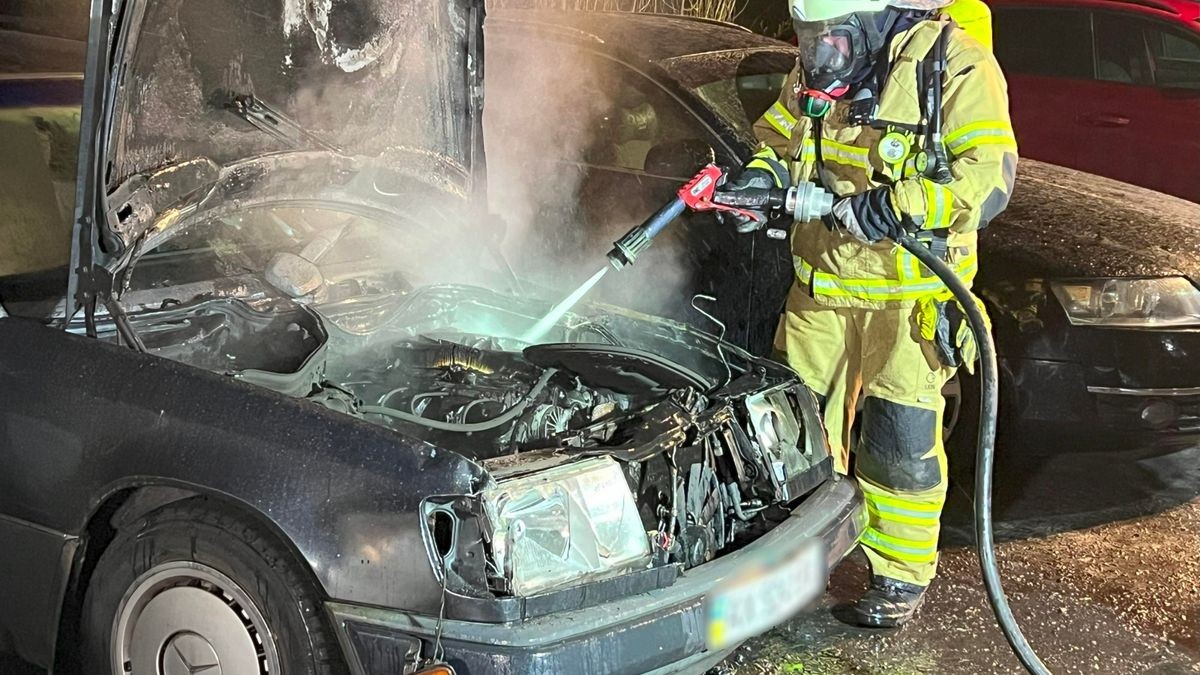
121,508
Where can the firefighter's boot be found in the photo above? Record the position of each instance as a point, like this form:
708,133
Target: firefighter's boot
888,603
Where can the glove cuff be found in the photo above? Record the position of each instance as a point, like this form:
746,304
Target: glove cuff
766,160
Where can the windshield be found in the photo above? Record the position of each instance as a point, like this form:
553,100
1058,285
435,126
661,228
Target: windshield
738,85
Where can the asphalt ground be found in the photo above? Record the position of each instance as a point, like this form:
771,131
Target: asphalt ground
1100,554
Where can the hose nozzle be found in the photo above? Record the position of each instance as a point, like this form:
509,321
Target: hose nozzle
626,249
630,246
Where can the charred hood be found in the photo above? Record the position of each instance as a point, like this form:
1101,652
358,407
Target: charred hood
196,90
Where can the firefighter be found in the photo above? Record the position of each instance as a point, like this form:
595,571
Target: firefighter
904,117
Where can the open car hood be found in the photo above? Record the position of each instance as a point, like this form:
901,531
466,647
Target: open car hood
183,93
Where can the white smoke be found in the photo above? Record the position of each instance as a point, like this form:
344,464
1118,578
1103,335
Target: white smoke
556,118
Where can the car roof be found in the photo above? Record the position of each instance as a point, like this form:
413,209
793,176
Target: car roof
653,37
1185,10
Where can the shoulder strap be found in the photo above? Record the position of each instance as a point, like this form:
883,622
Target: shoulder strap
933,76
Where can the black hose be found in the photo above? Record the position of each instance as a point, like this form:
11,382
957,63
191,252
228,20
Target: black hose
985,454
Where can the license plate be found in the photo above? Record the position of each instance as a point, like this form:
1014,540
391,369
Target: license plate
765,596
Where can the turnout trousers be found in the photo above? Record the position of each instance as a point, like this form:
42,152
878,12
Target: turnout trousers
899,457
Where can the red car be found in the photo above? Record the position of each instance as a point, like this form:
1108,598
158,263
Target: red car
1111,87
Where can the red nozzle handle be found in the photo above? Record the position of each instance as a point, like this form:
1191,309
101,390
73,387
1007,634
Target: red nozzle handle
697,194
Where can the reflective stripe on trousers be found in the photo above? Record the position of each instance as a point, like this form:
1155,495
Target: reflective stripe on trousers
901,537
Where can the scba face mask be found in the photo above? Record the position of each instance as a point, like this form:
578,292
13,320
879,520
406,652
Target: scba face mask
833,53
840,40
841,52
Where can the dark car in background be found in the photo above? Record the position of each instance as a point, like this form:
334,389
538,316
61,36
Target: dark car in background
287,409
1110,87
1092,287
1091,283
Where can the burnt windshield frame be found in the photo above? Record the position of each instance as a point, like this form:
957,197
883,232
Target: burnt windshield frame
86,252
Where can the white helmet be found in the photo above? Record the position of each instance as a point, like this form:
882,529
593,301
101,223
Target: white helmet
825,10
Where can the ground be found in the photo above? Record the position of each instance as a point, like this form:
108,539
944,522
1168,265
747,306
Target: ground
1101,560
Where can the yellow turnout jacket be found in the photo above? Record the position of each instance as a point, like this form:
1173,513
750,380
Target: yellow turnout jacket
839,270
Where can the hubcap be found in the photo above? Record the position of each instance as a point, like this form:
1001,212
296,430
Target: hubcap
184,618
188,653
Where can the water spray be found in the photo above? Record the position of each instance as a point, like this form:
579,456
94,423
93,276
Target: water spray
556,313
698,194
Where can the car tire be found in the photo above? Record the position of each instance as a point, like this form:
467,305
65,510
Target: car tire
195,584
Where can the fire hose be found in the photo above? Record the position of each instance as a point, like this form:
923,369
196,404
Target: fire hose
808,201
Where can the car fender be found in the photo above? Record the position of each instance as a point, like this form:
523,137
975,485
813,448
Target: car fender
82,420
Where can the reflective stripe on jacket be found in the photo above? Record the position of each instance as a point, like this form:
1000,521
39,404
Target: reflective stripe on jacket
980,143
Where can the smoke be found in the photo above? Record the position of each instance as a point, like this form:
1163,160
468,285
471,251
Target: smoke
570,138
575,141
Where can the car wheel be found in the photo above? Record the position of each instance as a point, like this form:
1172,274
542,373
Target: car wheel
194,587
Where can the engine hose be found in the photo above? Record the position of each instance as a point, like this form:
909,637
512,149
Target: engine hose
985,453
504,417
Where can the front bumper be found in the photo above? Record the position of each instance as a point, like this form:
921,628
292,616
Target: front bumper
1055,395
662,631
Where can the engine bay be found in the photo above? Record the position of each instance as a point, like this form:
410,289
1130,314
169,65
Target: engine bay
712,450
448,387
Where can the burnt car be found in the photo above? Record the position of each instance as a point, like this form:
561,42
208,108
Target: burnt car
289,409
1090,283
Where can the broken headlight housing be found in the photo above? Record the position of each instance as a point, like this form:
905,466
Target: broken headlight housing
564,526
777,429
1130,303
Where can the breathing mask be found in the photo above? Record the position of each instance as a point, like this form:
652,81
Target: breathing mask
837,54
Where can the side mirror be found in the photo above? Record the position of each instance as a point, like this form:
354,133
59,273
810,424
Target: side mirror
679,159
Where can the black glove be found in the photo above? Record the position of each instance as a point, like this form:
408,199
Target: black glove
750,187
870,217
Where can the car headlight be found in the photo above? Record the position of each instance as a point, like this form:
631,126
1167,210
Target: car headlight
1130,303
564,526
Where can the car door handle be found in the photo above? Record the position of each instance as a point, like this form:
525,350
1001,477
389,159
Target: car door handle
1110,120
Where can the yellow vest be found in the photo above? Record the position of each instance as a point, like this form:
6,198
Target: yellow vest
840,270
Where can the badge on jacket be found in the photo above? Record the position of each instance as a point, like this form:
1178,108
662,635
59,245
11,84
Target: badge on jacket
894,147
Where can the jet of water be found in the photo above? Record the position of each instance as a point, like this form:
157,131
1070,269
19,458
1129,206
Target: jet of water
535,334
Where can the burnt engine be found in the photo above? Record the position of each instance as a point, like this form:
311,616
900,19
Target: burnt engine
471,381
701,472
